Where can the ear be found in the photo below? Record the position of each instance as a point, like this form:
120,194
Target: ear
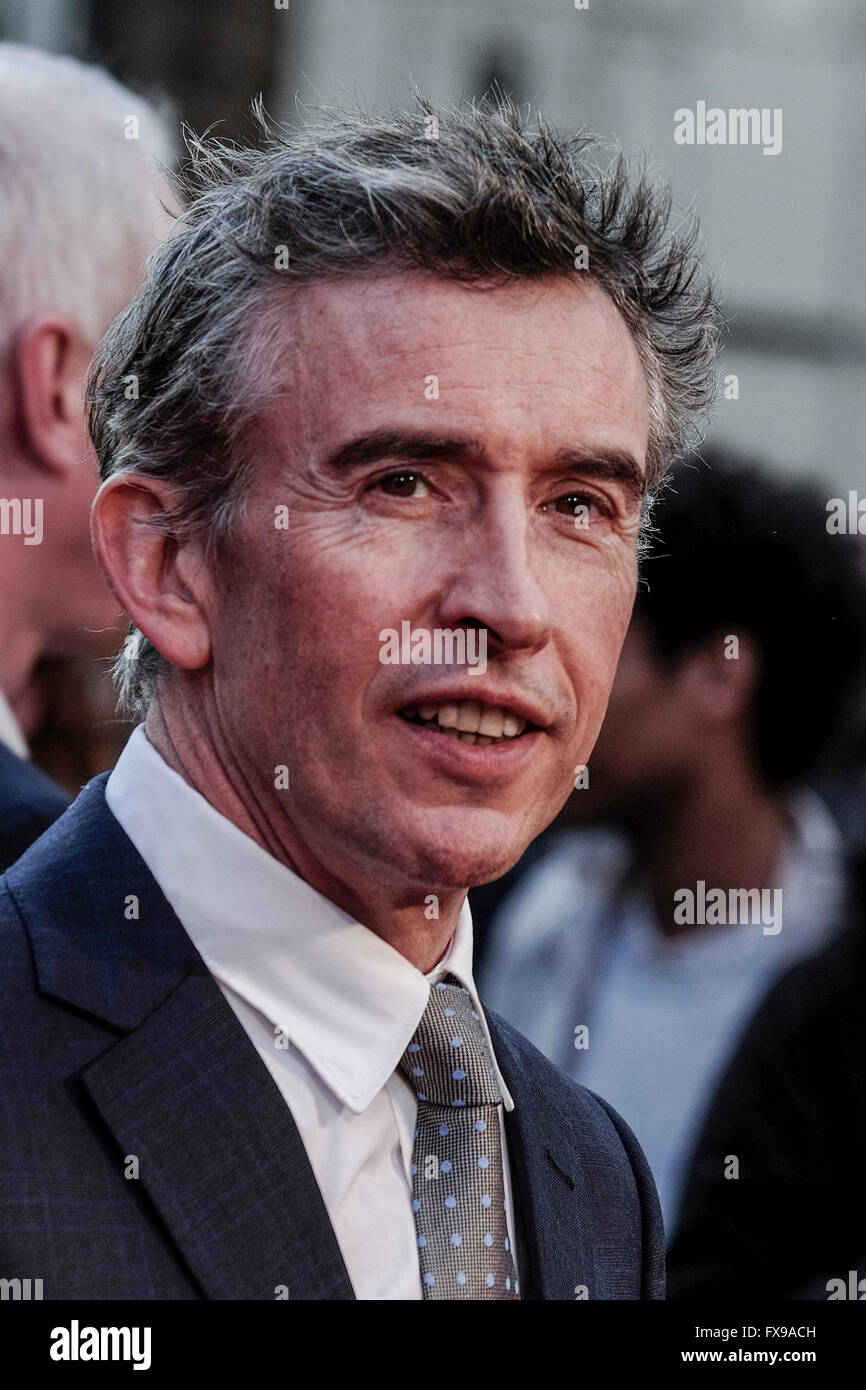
720,675
49,363
161,580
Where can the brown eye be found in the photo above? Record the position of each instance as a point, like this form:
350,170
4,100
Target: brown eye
581,505
574,501
400,484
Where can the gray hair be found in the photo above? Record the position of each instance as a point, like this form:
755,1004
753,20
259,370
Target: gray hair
79,156
469,194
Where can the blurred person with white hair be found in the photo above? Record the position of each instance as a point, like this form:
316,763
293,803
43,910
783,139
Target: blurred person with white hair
81,209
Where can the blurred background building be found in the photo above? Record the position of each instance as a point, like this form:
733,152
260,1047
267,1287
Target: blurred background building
784,232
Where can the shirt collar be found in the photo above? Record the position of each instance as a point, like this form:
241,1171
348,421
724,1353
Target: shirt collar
344,997
10,731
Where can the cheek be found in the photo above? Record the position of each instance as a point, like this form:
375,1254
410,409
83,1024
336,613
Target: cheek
592,627
307,637
616,602
341,596
594,616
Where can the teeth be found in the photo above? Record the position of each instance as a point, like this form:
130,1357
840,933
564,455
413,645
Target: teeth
464,737
448,716
470,721
469,717
492,722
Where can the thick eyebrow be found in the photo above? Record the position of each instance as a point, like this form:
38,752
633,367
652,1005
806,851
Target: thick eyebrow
409,446
608,465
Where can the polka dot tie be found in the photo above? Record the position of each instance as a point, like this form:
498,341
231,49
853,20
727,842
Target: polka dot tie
458,1193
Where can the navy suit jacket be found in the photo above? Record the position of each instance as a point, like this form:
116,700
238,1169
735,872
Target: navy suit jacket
29,803
119,1054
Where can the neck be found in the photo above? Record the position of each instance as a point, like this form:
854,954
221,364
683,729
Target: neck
194,747
727,831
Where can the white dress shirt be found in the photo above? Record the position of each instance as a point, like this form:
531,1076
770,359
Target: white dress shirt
329,1006
10,731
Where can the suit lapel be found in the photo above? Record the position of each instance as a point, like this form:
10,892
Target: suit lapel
219,1153
183,1089
555,1249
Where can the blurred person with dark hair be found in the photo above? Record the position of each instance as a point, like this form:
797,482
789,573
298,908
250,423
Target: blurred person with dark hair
80,211
634,949
842,783
788,1220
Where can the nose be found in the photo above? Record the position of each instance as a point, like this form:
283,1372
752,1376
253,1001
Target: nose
493,585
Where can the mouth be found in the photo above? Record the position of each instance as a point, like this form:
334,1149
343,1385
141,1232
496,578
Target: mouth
471,722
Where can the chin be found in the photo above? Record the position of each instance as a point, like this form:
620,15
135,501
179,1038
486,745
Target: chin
457,865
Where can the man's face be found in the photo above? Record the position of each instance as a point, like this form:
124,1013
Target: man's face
456,509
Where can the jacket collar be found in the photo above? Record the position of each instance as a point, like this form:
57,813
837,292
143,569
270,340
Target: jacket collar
555,1248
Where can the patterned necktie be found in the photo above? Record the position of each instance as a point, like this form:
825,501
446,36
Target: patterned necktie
458,1192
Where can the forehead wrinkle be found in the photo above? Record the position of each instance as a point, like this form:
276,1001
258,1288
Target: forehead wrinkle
313,361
